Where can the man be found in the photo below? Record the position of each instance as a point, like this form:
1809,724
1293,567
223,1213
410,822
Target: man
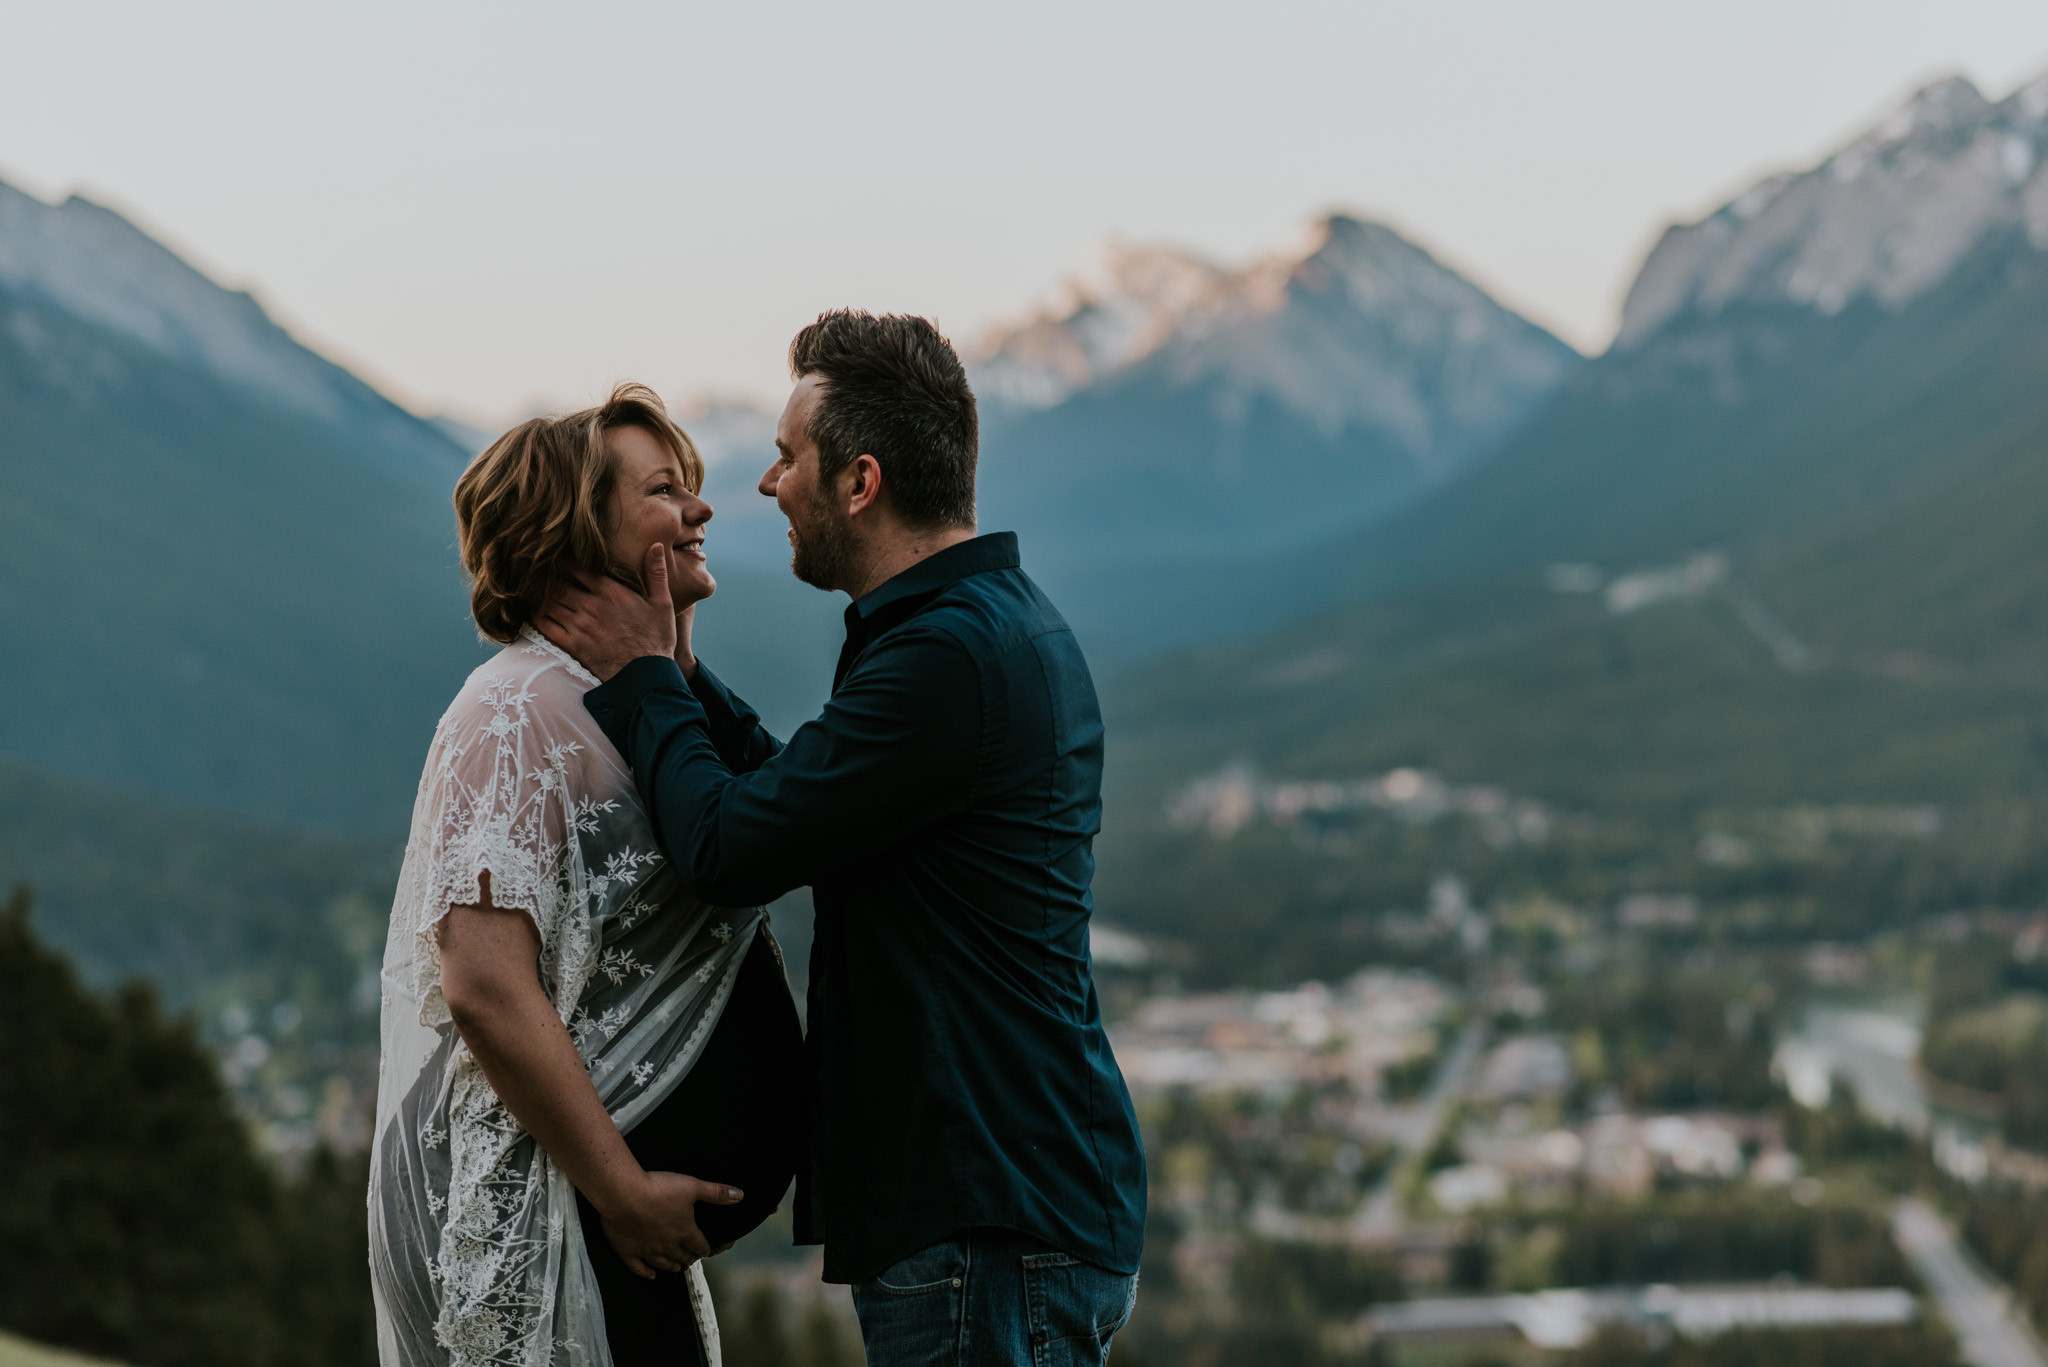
975,1167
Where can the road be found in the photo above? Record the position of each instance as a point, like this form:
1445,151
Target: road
1379,1219
1991,1331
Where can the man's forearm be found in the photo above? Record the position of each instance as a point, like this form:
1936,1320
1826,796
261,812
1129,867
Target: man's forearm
682,777
685,742
743,743
894,750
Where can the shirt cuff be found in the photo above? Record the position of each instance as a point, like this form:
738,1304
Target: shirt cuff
614,703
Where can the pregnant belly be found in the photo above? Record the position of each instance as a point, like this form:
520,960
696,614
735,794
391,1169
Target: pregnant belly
739,1115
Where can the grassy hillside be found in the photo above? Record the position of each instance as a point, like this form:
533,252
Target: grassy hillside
19,1352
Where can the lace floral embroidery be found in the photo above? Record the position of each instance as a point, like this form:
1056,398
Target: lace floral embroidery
476,1250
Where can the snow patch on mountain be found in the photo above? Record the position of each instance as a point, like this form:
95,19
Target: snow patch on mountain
95,265
1884,219
1354,327
1118,309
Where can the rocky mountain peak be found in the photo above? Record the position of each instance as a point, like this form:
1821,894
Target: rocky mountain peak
1118,308
1352,325
1380,270
1884,219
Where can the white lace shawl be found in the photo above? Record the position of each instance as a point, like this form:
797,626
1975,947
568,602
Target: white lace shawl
476,1250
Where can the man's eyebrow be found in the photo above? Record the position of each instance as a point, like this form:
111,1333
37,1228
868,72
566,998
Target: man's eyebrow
783,447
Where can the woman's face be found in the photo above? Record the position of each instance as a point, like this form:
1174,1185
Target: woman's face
651,503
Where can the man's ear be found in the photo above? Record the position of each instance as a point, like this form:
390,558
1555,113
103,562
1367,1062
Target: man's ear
864,486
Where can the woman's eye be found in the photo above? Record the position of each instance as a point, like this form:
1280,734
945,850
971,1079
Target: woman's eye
665,489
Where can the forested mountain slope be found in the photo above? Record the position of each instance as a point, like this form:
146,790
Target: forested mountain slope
211,595
228,571
1780,547
1869,611
1810,354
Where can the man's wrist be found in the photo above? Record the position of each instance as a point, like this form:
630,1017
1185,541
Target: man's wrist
608,668
616,700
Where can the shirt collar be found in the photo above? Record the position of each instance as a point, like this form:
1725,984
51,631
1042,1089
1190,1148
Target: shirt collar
996,551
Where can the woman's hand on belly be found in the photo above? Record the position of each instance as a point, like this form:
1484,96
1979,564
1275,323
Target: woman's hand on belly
653,1222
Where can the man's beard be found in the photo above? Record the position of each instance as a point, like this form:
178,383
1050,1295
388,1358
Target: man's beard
822,554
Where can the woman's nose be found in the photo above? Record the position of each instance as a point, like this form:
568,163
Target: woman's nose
696,512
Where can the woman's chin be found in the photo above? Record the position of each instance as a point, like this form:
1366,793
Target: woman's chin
696,588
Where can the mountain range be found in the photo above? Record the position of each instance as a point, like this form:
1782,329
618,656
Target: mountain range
1353,334
1778,543
1165,407
228,563
1771,564
1160,404
229,583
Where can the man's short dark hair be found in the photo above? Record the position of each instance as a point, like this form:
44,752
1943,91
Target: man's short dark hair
894,389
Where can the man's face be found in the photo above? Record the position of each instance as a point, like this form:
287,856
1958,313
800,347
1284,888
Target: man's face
820,533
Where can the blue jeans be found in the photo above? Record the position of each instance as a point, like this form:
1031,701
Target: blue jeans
992,1299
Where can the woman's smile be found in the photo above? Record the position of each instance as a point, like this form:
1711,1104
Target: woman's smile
652,503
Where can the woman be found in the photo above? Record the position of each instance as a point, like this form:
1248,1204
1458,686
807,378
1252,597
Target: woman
576,1053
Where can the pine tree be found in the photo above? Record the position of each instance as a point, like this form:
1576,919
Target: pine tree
136,1219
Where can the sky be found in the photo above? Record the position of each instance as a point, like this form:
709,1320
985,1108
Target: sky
488,209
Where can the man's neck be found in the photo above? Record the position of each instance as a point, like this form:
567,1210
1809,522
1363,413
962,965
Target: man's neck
899,552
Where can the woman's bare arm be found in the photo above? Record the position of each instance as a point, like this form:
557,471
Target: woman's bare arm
489,977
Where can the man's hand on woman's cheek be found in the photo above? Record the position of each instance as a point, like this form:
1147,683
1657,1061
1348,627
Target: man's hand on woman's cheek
606,625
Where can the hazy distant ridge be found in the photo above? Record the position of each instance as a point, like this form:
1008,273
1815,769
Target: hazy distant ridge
101,269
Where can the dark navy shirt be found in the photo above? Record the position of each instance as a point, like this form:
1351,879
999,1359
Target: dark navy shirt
943,810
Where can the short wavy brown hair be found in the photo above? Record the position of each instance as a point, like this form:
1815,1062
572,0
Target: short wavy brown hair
535,507
894,389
